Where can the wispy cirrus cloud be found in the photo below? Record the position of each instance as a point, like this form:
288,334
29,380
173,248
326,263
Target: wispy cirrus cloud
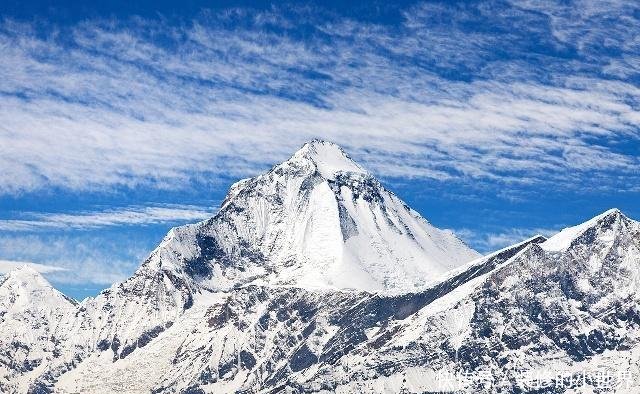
498,94
452,93
135,215
76,259
7,266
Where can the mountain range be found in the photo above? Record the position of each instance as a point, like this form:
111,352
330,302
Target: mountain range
314,278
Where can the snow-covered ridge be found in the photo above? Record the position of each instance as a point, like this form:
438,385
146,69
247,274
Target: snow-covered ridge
314,278
501,254
606,221
318,221
166,330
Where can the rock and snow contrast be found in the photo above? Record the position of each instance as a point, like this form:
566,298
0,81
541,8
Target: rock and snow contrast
33,317
313,278
317,221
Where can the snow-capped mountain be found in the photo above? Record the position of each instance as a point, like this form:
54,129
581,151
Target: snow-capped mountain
566,306
265,338
313,278
541,306
32,322
318,221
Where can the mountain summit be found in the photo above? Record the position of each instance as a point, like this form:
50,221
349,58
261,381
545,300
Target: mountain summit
32,323
318,221
328,158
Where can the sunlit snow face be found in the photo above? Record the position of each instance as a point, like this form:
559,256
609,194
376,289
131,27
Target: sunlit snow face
498,120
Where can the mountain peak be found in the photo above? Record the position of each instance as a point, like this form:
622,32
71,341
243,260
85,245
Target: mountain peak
602,223
328,157
26,274
27,281
29,285
318,220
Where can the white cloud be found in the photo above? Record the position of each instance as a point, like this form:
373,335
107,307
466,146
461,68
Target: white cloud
486,242
137,215
117,107
142,103
8,266
79,259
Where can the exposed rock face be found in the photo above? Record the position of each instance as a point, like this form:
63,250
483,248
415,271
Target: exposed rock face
314,278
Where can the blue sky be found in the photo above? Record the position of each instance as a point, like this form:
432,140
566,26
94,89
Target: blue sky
496,119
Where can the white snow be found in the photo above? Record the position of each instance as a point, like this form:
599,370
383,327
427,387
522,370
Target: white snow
563,239
392,247
328,158
312,225
318,232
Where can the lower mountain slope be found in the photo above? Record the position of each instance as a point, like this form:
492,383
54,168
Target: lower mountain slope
514,321
256,338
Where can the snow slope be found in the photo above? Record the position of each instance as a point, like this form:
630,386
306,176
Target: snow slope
568,306
317,221
523,309
32,327
313,278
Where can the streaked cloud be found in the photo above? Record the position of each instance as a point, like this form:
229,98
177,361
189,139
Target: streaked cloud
486,242
137,215
142,103
493,97
7,266
78,259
